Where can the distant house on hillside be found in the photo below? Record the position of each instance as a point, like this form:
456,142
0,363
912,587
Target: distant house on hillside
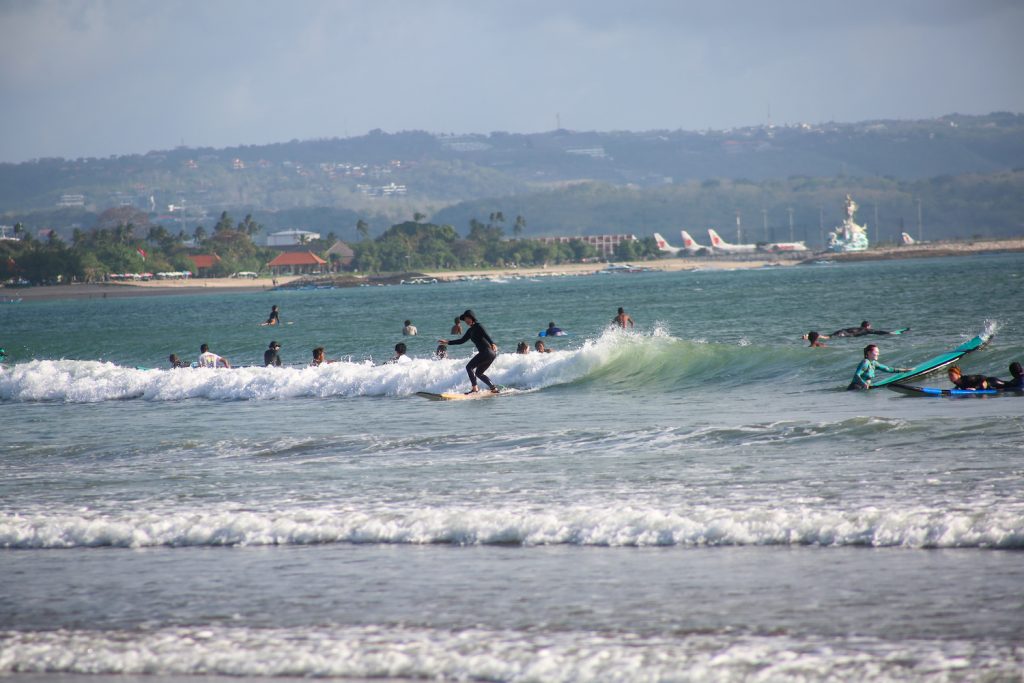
287,238
203,263
340,254
297,263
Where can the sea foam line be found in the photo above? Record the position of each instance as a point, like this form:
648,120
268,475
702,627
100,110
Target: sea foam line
1001,528
370,652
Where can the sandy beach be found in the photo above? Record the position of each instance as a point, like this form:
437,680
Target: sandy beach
226,285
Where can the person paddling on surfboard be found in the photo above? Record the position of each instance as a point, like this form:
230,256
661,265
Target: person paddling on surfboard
865,373
487,351
865,328
968,382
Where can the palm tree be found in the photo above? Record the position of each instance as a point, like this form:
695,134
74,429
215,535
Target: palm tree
363,229
520,225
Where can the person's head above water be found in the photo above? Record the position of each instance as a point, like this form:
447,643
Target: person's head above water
865,324
812,336
871,350
1015,368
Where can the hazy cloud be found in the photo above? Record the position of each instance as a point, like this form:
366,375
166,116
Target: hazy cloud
100,77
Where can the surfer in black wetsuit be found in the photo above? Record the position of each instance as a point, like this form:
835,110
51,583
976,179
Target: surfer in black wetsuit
486,351
274,318
271,356
969,382
865,328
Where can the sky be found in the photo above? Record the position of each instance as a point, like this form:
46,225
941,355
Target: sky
95,78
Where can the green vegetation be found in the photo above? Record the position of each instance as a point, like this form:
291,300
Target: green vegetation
407,246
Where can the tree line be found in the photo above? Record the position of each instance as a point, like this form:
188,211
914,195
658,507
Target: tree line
124,242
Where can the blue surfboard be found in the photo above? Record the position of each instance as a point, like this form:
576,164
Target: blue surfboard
910,390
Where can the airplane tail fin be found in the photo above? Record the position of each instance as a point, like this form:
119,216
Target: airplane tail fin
690,244
906,238
716,241
664,246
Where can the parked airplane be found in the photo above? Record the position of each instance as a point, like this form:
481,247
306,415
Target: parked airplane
906,239
718,244
690,244
664,246
783,246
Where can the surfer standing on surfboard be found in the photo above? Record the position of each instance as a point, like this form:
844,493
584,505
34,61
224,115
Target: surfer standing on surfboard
487,351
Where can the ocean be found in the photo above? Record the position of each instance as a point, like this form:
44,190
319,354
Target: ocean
695,499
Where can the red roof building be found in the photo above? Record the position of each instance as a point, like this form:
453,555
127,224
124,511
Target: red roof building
203,263
297,263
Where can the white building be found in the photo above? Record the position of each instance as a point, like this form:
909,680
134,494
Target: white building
290,238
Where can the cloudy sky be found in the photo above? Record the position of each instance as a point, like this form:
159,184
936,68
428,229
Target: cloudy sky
101,77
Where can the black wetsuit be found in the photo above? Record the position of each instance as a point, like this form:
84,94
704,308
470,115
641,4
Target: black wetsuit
971,382
274,318
271,357
485,356
857,332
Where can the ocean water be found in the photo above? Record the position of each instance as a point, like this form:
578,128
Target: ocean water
697,499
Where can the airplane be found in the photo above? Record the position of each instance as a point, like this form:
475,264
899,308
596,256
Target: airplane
690,244
665,247
718,244
906,239
783,246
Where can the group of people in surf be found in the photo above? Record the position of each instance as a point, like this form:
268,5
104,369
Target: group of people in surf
864,375
476,368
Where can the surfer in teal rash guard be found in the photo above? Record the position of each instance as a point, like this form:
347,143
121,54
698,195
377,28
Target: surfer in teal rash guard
486,351
865,373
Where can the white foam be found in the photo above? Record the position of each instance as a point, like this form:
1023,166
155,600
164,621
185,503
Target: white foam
94,381
371,652
584,525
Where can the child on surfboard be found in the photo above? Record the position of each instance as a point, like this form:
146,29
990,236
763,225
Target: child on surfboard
487,351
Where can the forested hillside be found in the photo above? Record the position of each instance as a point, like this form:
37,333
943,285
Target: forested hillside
965,171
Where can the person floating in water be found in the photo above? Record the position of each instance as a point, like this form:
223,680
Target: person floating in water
522,348
176,362
622,319
441,352
409,330
487,351
271,357
540,348
208,359
814,339
319,357
400,356
274,318
967,382
1015,383
865,373
552,331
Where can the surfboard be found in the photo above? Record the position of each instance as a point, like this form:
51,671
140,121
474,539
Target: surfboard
458,396
936,363
560,333
900,331
910,390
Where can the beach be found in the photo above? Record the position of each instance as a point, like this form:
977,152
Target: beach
111,290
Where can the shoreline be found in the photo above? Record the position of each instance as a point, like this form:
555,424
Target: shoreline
113,290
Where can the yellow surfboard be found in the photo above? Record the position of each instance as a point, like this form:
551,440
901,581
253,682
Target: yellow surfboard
456,396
